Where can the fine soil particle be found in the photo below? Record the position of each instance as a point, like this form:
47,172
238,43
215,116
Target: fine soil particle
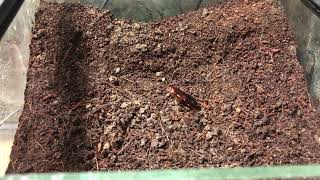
96,95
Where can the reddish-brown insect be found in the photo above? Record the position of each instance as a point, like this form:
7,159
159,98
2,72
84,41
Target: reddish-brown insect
183,98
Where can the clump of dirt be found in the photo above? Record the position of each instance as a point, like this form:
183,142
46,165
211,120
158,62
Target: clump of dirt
96,96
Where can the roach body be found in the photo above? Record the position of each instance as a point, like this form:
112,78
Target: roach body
184,98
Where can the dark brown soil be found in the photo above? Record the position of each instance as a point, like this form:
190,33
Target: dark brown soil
96,96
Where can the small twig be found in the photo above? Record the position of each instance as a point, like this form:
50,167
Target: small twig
30,105
40,146
124,148
271,55
226,132
200,75
65,56
302,102
255,151
199,136
148,157
164,131
174,72
128,80
50,95
299,99
300,107
300,96
281,113
75,106
97,164
310,103
247,111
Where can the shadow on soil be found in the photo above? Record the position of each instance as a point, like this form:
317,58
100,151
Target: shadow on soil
71,84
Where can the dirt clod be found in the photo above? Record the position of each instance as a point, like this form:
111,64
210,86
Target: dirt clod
209,135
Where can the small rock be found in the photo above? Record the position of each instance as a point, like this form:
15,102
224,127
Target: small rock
110,26
299,113
117,70
178,126
182,27
143,110
41,32
148,120
154,143
109,128
205,12
260,89
170,128
162,144
113,97
183,51
238,110
113,159
136,102
117,29
257,115
153,115
159,46
159,74
213,151
94,110
142,47
205,146
106,146
158,32
209,135
216,132
114,80
124,105
185,126
163,79
226,107
165,119
88,106
261,122
193,32
136,26
207,127
278,105
158,136
201,159
203,121
55,102
143,142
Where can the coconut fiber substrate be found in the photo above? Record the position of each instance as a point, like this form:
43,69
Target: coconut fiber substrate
97,91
